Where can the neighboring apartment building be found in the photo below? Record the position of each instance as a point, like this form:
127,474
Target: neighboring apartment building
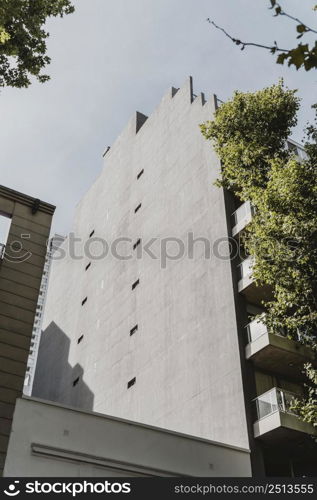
52,246
165,342
23,244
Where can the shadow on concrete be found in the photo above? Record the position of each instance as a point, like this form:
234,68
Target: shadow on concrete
55,379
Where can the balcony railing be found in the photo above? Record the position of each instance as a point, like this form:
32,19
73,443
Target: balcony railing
254,292
297,149
245,268
256,328
241,217
275,400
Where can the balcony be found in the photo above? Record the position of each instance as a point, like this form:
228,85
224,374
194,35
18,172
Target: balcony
242,217
276,353
246,285
296,148
276,421
245,269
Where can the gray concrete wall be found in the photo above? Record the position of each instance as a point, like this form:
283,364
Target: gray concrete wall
20,277
57,372
185,355
54,441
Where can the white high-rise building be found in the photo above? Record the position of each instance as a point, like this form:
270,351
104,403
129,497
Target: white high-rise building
53,244
170,339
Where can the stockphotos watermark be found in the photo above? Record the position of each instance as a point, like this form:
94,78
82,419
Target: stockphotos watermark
59,487
161,249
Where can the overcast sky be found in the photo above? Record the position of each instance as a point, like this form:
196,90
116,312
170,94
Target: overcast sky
113,57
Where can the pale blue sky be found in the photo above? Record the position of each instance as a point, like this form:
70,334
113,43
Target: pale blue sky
113,57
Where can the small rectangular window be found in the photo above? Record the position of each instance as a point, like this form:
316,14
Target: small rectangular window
138,208
135,284
75,382
92,233
131,382
88,266
140,173
134,330
80,339
84,301
137,243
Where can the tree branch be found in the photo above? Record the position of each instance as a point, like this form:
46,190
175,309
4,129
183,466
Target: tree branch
273,48
281,12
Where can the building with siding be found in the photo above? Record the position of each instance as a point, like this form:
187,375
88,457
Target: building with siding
25,223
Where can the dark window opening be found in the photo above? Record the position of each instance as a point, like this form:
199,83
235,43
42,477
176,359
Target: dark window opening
134,330
75,381
84,301
88,266
135,284
92,233
138,208
131,382
137,243
80,339
140,173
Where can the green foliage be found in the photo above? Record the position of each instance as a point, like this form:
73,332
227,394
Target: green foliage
283,238
303,55
23,39
249,134
307,410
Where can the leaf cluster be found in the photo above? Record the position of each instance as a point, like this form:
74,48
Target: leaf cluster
302,55
23,39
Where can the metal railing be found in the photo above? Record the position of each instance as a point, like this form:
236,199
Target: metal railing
245,268
275,400
296,149
243,215
256,328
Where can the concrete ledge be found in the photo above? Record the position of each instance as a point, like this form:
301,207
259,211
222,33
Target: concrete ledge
25,199
84,443
280,425
279,354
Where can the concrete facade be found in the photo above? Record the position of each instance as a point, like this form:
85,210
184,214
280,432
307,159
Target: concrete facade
21,267
166,342
184,355
49,440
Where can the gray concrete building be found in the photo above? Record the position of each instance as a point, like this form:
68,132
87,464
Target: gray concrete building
168,339
51,440
26,225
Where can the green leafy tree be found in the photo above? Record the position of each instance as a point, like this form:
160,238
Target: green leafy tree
302,55
23,39
249,133
307,410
